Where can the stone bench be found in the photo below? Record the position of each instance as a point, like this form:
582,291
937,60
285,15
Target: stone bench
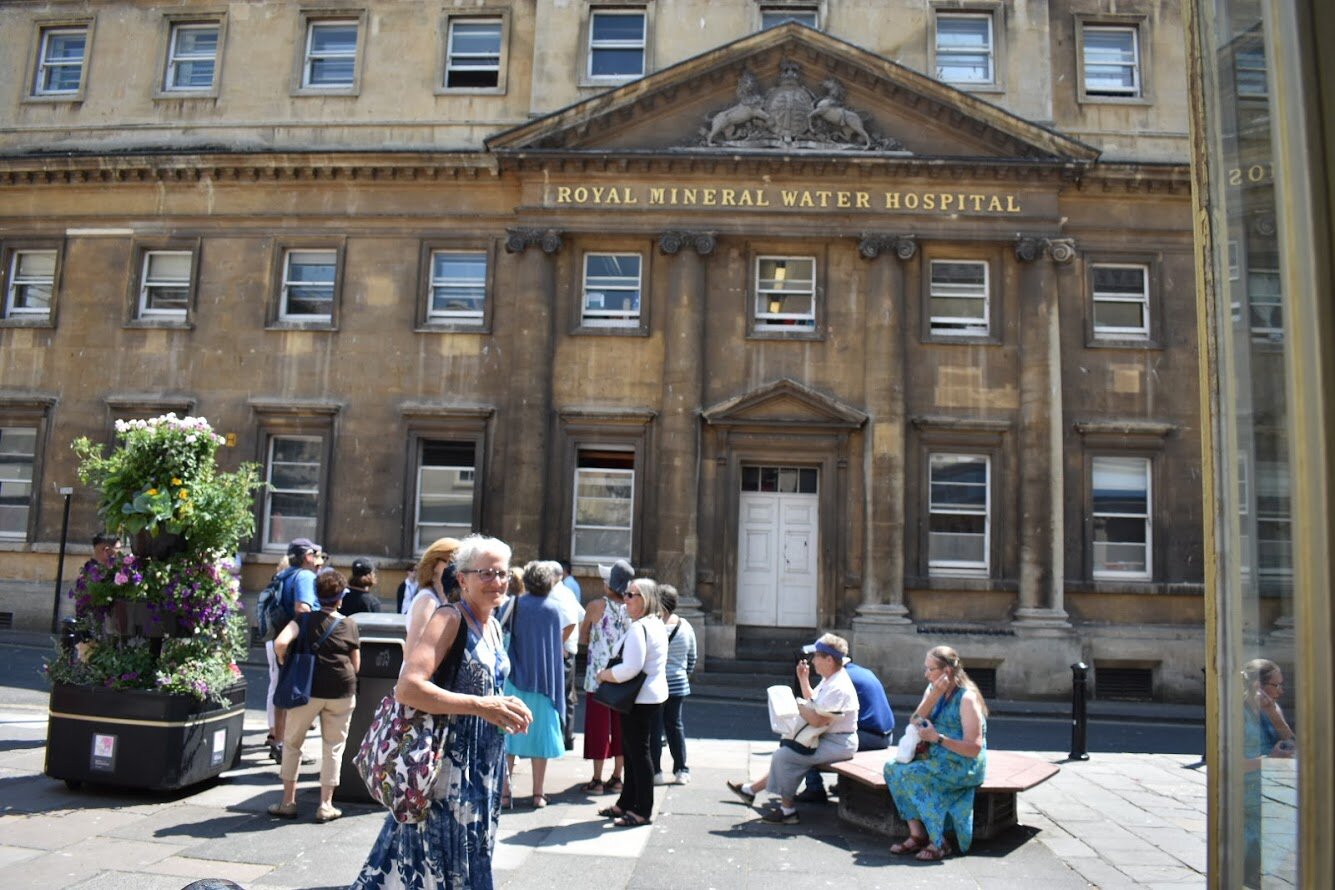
865,802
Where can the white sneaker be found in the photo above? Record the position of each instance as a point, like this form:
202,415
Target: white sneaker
683,777
659,779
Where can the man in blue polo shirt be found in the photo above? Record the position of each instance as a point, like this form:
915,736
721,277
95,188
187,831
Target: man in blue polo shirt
304,558
876,725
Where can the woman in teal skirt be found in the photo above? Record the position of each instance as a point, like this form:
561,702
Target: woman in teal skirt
538,629
934,793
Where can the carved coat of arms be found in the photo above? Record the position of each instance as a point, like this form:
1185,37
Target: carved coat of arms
789,116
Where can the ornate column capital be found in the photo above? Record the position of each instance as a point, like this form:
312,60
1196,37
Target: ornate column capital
671,243
519,240
871,246
1030,247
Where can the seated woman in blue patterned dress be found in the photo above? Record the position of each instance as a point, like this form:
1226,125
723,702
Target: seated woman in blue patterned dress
452,847
934,793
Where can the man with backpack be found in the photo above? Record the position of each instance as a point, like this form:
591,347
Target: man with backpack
295,589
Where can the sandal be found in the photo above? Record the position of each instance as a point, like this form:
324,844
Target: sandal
912,845
539,801
612,812
594,787
933,853
614,784
630,820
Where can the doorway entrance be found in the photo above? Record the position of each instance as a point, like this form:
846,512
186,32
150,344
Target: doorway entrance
778,543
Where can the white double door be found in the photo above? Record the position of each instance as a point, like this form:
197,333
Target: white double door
777,560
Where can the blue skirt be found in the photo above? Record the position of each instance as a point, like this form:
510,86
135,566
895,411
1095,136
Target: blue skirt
544,737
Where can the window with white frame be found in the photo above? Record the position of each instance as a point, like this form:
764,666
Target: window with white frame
1265,309
18,456
1249,70
458,286
331,54
1111,55
776,14
964,48
1121,517
1274,520
1121,300
473,54
164,285
785,293
958,526
616,43
60,61
308,285
192,56
612,290
959,298
604,505
292,498
32,280
445,491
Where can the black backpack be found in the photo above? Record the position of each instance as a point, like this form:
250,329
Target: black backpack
274,609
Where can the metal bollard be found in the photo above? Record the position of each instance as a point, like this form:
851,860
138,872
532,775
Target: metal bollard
69,635
1079,710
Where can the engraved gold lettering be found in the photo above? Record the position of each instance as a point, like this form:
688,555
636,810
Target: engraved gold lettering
824,198
843,199
762,199
745,200
947,202
563,194
910,201
864,200
628,196
977,202
581,195
707,197
688,196
929,201
892,200
789,198
1011,205
656,195
807,200
597,194
728,198
994,205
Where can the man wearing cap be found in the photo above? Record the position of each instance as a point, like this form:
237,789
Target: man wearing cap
358,597
304,557
876,725
833,704
605,623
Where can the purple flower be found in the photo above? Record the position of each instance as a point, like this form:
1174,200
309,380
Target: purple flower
122,578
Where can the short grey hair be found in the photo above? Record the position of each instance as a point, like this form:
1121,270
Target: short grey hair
556,567
539,578
473,546
648,590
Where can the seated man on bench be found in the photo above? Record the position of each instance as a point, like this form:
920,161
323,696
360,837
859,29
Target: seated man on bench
876,725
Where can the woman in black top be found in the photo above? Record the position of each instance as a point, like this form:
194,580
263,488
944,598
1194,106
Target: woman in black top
333,694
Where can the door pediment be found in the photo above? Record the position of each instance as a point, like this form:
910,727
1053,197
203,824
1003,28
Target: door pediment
784,403
790,90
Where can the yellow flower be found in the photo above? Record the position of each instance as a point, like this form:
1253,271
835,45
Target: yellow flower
152,492
175,481
184,494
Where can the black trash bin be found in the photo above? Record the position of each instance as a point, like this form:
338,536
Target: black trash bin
382,635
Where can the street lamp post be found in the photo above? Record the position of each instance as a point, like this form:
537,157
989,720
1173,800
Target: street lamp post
67,493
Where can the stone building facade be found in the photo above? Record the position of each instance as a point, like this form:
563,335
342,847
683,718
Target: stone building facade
881,319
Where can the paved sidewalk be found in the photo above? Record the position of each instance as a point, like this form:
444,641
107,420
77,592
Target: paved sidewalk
1115,821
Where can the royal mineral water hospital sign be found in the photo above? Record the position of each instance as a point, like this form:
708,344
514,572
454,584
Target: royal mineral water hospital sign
777,198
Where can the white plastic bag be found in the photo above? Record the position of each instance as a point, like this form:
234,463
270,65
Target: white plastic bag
784,717
908,745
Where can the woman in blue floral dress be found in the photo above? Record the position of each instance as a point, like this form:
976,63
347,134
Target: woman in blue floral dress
934,793
452,848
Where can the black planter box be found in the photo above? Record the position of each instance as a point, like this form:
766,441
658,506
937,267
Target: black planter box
139,739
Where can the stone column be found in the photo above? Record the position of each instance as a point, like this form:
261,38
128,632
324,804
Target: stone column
678,444
1042,529
526,433
883,453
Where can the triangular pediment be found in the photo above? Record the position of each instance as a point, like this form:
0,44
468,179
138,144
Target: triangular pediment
785,402
789,91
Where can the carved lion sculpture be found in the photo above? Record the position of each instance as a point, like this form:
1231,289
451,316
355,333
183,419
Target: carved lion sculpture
729,122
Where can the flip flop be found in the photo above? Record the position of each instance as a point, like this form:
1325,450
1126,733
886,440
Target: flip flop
911,845
630,820
612,812
596,786
932,853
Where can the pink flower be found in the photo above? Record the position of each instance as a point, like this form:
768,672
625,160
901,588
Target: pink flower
122,578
